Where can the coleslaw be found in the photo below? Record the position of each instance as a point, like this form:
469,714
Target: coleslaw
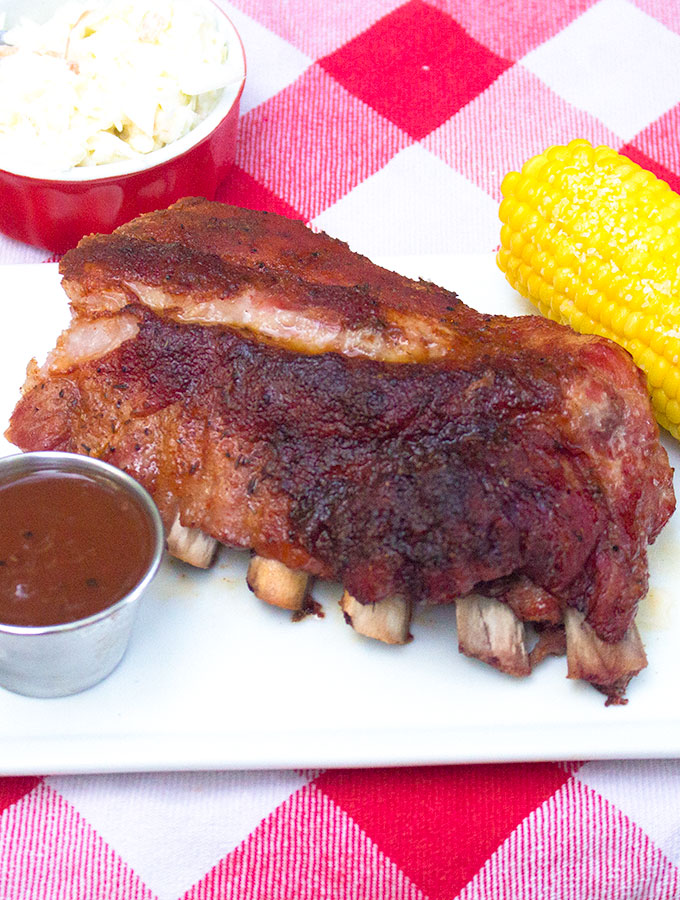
107,81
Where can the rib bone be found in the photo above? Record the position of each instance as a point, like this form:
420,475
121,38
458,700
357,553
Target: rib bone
275,583
191,545
490,631
388,620
609,667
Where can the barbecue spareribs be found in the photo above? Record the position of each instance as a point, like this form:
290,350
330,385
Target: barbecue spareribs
281,393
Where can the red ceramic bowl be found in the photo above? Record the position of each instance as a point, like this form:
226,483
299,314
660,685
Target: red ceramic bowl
55,212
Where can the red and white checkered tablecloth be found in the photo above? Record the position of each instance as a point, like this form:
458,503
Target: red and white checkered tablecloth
390,124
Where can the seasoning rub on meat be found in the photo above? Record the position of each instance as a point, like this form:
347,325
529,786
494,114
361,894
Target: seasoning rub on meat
277,392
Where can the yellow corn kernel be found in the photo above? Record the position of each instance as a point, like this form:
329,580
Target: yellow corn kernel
594,241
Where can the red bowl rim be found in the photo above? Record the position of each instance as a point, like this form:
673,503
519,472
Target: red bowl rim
171,154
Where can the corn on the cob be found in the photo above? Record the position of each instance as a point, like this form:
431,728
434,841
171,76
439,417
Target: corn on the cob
594,241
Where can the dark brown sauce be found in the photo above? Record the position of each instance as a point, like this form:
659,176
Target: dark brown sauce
70,546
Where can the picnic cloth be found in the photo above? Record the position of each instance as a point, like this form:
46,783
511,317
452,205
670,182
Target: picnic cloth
390,124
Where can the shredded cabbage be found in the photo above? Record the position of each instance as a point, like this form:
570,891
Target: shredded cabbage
107,81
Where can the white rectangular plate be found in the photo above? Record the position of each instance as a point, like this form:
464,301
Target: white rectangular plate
213,678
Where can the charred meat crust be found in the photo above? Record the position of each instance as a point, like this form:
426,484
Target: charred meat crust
202,247
423,481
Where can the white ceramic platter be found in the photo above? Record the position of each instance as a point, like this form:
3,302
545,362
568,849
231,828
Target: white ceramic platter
214,678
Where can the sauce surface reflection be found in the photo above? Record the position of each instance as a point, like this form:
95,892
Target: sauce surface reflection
71,545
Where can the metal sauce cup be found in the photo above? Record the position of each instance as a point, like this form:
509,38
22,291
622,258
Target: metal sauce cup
57,660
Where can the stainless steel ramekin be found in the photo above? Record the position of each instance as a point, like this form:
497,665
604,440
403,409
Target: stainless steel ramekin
56,660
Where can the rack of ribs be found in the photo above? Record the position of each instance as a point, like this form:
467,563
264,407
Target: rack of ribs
277,392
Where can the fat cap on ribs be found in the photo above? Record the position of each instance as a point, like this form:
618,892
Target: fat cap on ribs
281,393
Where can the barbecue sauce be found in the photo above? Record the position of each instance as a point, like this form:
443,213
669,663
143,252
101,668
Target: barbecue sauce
70,546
